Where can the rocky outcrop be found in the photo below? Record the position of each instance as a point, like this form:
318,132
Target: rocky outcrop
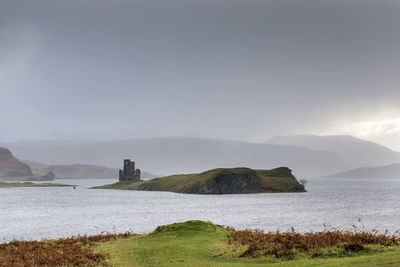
12,167
226,182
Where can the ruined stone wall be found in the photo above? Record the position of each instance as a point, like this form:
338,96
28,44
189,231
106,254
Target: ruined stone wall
129,173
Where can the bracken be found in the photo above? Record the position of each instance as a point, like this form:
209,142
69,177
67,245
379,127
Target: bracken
288,244
74,251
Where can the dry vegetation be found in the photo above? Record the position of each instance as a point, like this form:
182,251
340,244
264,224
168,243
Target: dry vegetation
83,250
324,243
74,251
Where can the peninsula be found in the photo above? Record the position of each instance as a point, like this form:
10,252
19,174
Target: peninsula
29,184
218,181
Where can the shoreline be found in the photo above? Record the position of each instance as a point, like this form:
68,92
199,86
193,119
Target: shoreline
4,184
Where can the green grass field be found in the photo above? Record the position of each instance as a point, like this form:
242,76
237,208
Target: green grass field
197,243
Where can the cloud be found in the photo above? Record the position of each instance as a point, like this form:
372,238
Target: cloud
19,44
227,69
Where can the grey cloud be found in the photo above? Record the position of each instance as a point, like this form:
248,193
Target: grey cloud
227,69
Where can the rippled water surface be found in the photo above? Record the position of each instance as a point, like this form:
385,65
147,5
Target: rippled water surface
35,213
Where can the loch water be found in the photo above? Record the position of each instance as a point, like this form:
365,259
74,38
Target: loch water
37,213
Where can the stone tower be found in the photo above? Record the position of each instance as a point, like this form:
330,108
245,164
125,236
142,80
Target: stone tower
129,173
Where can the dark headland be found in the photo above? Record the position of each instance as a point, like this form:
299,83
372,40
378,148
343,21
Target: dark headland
218,181
12,167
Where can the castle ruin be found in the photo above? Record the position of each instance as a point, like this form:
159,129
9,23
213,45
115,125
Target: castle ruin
129,173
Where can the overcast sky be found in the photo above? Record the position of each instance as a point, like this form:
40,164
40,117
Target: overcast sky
237,69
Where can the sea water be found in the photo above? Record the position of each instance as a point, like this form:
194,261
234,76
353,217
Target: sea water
37,213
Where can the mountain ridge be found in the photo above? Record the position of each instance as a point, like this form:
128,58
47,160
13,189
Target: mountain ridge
349,148
78,171
168,155
391,171
186,154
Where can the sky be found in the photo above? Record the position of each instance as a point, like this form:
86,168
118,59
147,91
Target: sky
233,69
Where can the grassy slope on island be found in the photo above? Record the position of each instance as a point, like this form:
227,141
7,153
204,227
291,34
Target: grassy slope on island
220,181
28,184
197,243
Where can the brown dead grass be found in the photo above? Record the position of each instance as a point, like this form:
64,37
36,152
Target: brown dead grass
74,251
288,244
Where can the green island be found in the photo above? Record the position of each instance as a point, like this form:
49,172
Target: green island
28,184
218,181
199,243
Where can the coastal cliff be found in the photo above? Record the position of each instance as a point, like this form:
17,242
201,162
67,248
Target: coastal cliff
12,167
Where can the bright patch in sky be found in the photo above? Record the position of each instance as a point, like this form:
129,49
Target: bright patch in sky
385,131
382,128
375,127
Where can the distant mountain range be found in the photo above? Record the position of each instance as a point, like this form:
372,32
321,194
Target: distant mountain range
307,156
348,148
379,172
78,171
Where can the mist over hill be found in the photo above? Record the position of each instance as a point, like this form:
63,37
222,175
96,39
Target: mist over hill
378,172
78,171
346,147
308,156
163,156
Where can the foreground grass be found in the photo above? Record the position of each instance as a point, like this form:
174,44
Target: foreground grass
197,243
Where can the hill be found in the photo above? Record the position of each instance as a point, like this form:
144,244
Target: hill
78,171
182,154
12,167
220,181
348,148
379,172
49,176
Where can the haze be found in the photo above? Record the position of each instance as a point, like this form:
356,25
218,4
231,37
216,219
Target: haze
244,70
